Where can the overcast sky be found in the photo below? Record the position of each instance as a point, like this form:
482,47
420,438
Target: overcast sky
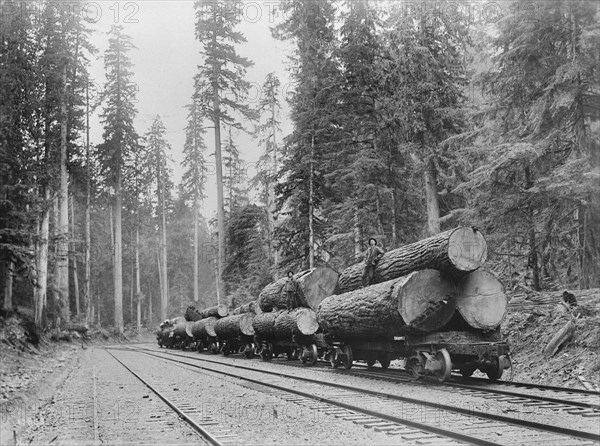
166,61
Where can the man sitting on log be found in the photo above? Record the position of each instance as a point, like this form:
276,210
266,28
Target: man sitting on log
372,256
291,290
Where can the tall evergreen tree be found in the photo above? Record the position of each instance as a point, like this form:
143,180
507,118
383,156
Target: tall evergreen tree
310,25
221,86
120,141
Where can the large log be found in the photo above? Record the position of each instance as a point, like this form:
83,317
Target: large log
315,285
422,301
191,314
563,335
456,252
231,327
299,321
264,325
249,307
481,300
204,328
216,311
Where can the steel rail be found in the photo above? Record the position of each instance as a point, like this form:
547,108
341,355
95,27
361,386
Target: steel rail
205,434
500,418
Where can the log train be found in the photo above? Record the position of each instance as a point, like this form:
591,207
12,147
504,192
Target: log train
429,303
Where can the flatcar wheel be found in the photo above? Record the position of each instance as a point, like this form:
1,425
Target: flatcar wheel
370,363
445,365
494,370
348,357
266,354
314,353
249,351
385,360
225,350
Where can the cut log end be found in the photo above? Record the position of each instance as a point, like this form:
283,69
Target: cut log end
467,249
426,300
306,320
481,300
222,310
246,324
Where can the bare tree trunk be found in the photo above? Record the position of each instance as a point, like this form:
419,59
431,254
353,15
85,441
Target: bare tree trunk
271,205
394,217
165,282
138,289
87,278
8,285
118,255
74,261
533,254
163,311
42,265
311,229
218,280
433,206
62,260
196,293
218,160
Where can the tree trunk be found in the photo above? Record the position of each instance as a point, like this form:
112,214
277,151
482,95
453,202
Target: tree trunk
165,281
456,252
196,213
74,260
422,301
311,210
564,335
138,285
204,328
316,284
272,207
481,300
8,285
62,244
358,236
299,321
218,161
118,259
433,206
533,254
87,278
42,265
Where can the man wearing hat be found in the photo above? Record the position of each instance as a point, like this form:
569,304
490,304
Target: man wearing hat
372,256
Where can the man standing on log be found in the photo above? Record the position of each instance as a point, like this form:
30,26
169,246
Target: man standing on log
291,290
372,256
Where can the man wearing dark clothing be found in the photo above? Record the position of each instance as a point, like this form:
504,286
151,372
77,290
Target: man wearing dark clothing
372,256
291,289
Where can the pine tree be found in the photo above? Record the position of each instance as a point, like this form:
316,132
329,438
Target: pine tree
220,86
194,177
311,27
120,141
158,149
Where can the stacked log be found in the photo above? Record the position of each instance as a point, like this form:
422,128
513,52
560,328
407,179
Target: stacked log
314,284
299,321
421,301
481,300
456,252
218,311
232,327
249,307
204,328
264,324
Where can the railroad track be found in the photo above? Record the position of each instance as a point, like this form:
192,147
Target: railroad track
384,413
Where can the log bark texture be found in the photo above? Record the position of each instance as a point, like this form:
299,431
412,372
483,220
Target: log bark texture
315,285
564,335
264,325
192,314
179,330
204,328
249,307
231,327
481,300
422,301
456,252
299,321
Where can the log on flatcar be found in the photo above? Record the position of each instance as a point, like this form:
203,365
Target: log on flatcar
456,252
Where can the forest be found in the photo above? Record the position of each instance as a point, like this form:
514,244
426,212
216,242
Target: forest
408,118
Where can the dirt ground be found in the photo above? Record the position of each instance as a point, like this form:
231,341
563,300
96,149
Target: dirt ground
531,324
